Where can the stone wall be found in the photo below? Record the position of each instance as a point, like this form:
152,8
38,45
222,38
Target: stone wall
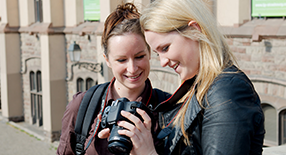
265,64
31,61
88,45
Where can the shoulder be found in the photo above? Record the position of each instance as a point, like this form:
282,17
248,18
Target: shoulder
75,102
73,106
232,86
231,80
160,95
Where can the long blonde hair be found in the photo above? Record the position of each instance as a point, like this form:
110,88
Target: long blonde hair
164,16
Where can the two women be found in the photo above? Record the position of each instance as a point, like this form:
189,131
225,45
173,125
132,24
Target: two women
216,110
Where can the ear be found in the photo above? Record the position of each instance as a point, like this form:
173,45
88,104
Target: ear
106,60
195,25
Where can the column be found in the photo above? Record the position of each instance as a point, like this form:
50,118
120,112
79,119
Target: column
53,59
53,81
26,12
11,84
106,7
73,12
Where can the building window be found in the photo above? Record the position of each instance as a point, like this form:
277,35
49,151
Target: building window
36,98
270,124
84,85
283,127
38,10
80,85
89,83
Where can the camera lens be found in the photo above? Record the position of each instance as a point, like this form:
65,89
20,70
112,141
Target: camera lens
118,144
118,147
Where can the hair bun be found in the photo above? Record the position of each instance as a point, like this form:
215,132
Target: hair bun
127,11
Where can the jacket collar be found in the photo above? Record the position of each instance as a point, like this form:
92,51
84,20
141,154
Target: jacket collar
179,93
174,133
192,112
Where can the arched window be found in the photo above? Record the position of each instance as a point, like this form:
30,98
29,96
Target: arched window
270,123
283,127
39,81
36,98
32,81
89,83
80,85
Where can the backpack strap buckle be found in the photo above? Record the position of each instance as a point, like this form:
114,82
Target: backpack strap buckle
79,147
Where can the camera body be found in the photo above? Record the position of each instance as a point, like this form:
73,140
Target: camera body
119,144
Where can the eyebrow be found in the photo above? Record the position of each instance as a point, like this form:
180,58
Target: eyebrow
140,52
120,56
158,47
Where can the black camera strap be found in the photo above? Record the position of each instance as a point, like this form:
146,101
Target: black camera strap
90,106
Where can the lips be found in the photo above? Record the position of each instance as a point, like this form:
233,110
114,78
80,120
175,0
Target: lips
134,77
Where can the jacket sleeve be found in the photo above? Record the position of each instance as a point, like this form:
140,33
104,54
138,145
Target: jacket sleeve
67,139
233,119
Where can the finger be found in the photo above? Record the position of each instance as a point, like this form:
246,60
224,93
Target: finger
146,118
137,122
105,133
138,140
133,137
127,125
99,116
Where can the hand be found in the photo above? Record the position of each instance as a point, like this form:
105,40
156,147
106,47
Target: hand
105,133
139,132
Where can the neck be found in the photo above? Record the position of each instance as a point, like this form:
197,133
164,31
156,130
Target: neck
119,91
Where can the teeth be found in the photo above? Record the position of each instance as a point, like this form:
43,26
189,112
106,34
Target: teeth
176,66
134,77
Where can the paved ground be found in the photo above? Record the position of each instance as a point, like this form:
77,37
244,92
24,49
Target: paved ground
25,139
15,140
275,150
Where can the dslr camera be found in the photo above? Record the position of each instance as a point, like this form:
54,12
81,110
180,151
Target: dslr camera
120,144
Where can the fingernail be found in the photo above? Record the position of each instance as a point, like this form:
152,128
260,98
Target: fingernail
119,122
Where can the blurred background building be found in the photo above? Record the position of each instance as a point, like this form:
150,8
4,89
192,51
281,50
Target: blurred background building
51,49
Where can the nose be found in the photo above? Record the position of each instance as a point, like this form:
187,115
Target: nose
163,60
132,67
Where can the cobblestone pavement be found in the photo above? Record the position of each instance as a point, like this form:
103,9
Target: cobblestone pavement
14,140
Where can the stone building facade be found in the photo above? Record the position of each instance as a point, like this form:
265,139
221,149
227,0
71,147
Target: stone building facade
38,78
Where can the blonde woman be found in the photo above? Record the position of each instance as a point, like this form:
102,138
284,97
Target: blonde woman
216,110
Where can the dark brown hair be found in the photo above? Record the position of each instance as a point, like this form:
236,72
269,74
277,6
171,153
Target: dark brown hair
125,19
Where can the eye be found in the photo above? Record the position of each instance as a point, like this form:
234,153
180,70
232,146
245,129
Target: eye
140,57
121,60
165,49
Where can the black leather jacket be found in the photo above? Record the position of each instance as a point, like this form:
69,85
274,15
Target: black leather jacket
232,122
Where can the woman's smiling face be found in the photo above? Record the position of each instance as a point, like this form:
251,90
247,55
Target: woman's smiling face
128,58
176,51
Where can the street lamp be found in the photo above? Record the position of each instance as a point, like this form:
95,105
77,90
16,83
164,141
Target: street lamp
74,52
